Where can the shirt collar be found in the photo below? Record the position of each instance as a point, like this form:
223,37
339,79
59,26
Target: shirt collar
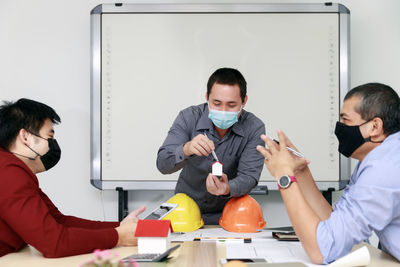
237,128
380,147
391,136
205,123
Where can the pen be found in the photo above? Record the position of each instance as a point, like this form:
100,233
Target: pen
212,151
224,239
292,150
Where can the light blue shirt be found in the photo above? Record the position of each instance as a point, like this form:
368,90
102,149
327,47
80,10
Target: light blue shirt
370,202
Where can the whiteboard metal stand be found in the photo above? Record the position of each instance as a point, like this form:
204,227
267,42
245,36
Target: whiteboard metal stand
96,86
328,195
123,210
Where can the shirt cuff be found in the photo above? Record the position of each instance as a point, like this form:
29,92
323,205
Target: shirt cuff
179,155
324,240
113,237
233,189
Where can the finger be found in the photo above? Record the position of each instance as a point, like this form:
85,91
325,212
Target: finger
205,145
287,140
210,143
265,152
212,189
216,182
224,178
282,140
199,151
204,141
209,182
196,152
135,213
263,137
301,163
200,148
272,146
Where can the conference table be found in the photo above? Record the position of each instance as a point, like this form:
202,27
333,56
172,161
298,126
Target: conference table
190,253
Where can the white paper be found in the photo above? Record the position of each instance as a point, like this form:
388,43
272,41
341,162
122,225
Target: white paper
220,232
264,246
359,257
275,251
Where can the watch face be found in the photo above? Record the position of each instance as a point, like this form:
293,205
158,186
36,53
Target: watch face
284,181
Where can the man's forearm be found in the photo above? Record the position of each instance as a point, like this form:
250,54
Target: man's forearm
304,219
312,194
241,185
169,162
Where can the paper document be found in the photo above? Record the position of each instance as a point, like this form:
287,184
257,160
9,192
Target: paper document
359,257
271,251
220,232
266,247
279,252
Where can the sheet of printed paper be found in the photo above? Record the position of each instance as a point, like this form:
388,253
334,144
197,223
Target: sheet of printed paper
220,232
276,251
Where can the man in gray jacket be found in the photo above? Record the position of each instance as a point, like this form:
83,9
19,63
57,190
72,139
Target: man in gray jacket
221,125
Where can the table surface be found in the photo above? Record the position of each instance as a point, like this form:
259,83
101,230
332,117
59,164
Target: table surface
189,254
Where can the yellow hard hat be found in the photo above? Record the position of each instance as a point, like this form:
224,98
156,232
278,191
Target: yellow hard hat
186,217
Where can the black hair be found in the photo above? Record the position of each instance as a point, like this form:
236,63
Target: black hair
378,100
228,76
23,114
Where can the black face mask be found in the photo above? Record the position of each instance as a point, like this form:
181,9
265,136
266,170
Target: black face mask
51,158
350,138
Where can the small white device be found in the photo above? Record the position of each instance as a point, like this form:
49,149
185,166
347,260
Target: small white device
217,168
161,211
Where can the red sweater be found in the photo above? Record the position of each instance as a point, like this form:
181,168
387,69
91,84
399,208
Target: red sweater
27,216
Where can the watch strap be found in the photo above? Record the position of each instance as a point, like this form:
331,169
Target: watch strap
293,179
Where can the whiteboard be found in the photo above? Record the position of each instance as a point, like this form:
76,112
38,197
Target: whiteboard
151,61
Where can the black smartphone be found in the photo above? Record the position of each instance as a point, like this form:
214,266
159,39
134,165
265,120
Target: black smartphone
224,261
161,211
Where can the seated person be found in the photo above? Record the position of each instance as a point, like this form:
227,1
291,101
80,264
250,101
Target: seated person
27,215
369,131
221,125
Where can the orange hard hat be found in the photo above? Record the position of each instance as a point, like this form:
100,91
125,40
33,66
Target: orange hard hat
242,215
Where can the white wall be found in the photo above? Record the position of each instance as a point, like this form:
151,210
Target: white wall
45,55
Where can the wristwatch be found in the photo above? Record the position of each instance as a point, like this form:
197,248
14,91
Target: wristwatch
285,181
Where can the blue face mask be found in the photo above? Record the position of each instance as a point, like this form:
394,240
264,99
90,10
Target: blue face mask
223,119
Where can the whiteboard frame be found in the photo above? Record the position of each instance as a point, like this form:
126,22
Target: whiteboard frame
95,78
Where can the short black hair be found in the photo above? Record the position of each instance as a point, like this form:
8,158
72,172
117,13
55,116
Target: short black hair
228,76
378,100
23,114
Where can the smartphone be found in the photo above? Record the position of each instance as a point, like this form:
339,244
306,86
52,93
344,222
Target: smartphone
224,261
161,211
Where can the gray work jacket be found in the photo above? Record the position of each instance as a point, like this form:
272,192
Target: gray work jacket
242,163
